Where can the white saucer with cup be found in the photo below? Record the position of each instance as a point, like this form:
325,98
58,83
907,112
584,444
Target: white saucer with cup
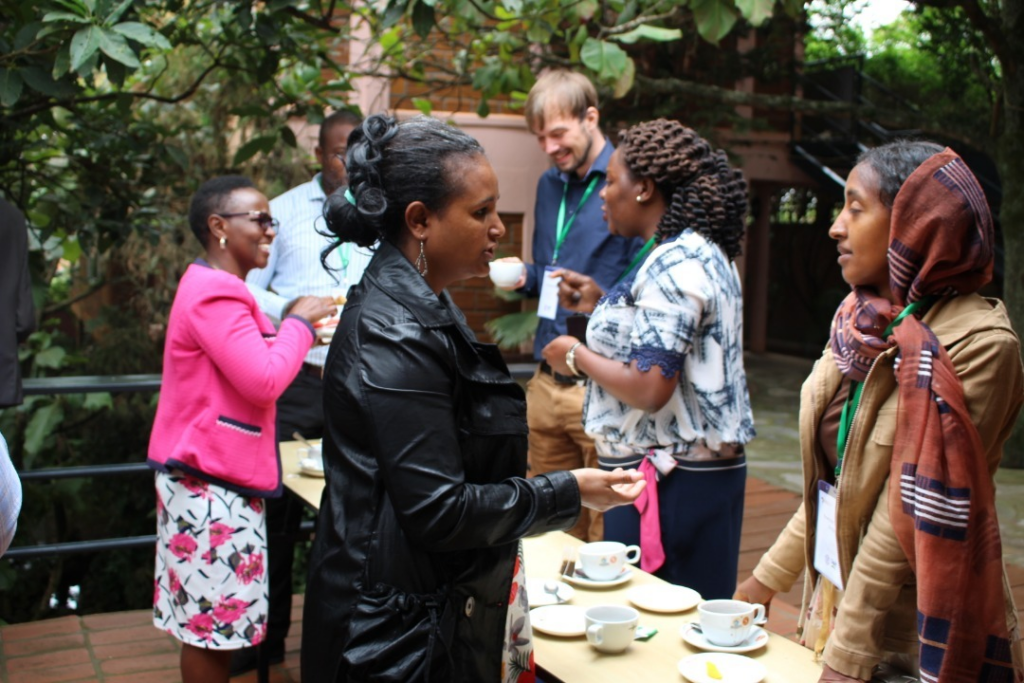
606,560
311,458
506,273
730,622
611,628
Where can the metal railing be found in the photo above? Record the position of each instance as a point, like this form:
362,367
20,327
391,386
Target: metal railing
85,384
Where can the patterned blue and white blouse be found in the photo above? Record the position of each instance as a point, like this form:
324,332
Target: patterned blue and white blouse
683,310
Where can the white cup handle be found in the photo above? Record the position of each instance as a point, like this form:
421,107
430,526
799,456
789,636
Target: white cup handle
759,616
635,557
595,634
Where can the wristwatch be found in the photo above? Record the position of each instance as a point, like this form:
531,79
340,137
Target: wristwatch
570,360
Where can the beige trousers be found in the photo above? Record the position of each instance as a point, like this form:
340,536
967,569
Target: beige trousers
557,441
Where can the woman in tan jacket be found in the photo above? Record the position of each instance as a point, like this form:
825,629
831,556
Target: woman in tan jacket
902,425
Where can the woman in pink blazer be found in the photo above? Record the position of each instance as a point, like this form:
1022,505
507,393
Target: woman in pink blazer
213,444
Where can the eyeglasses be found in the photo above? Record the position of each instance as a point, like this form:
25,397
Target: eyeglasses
262,217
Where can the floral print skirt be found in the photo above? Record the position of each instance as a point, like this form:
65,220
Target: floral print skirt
517,665
211,583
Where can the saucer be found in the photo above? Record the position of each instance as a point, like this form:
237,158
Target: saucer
559,620
580,579
662,598
311,468
758,639
733,668
539,597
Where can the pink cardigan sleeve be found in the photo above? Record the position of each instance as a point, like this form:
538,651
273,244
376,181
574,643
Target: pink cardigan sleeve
224,324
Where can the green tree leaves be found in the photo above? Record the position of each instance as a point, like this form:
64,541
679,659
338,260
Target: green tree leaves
490,42
84,44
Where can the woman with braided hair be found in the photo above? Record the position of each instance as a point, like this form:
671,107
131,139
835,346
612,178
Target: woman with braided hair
667,391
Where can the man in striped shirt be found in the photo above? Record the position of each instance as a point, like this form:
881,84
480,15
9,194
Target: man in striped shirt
293,270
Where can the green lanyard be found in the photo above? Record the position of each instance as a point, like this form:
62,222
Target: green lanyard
639,258
853,398
562,228
345,252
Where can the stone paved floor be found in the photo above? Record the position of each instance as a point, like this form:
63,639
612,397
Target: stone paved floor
123,647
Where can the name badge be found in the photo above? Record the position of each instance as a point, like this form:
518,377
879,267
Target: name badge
547,306
826,547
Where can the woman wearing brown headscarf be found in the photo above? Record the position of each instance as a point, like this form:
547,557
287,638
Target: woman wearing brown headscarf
902,425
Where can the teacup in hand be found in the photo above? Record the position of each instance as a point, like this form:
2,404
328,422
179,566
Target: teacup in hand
506,272
606,560
611,628
729,622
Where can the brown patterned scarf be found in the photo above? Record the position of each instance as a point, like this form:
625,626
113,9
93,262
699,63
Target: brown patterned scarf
943,510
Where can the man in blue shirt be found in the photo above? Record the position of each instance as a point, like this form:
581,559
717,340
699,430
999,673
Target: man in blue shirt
570,232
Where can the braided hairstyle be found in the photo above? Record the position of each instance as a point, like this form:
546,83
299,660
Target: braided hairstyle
391,165
701,190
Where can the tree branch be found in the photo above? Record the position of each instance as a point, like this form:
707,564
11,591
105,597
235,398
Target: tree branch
639,21
72,102
323,22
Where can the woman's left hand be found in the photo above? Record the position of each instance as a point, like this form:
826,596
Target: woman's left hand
829,675
554,353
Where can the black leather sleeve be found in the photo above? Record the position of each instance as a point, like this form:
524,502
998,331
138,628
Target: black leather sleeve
407,381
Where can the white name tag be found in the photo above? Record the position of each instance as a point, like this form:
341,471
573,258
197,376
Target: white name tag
547,306
826,548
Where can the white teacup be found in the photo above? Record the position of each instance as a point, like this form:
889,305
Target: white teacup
506,273
606,560
313,454
611,628
729,622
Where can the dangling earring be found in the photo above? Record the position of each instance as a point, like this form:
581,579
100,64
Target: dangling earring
421,262
640,198
223,242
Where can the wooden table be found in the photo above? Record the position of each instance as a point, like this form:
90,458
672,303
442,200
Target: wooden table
571,659
308,489
650,661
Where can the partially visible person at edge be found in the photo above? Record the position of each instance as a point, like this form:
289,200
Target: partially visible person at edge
664,355
294,269
902,425
18,313
213,445
16,308
569,231
416,571
10,497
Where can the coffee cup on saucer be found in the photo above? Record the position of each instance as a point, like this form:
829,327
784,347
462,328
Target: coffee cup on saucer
312,456
729,623
606,560
611,628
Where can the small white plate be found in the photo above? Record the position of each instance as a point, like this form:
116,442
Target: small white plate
311,468
539,597
758,639
662,598
559,620
734,668
581,580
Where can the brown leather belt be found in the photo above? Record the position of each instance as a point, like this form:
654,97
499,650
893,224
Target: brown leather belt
311,370
559,378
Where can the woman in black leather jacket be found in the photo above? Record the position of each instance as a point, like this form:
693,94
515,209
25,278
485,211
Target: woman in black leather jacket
413,569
